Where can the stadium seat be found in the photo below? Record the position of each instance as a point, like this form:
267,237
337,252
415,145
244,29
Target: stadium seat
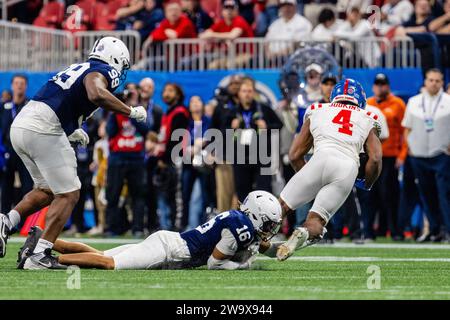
105,14
51,15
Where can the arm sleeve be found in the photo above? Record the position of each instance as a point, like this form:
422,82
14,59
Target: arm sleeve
227,244
214,264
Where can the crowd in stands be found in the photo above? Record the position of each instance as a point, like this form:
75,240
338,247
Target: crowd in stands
191,18
284,23
134,177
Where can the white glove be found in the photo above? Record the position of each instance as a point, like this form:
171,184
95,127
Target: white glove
79,136
138,113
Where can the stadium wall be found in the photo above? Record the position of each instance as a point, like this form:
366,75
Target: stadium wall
404,82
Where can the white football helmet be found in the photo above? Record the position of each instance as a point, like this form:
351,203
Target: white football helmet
112,51
264,211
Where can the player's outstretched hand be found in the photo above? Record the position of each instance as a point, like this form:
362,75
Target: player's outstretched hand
79,136
138,113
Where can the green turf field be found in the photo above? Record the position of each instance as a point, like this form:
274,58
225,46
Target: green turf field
320,272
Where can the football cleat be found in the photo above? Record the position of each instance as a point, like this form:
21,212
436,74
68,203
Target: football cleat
26,251
4,234
42,261
298,238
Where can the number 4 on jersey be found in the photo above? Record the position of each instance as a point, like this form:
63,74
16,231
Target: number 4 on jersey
343,119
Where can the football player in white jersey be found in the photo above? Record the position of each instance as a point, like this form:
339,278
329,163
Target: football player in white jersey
230,241
338,131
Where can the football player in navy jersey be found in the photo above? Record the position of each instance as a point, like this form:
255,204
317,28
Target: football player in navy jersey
42,134
228,241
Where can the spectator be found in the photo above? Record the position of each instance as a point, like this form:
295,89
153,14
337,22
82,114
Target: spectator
201,20
99,167
313,8
313,83
176,117
385,193
343,6
154,116
268,14
246,10
230,27
326,87
394,13
126,16
155,112
441,25
125,162
419,21
328,24
6,97
198,124
290,27
175,25
148,18
131,92
436,8
251,114
226,102
13,164
426,123
355,28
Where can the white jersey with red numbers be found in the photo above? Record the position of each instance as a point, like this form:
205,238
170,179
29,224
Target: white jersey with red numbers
339,133
341,127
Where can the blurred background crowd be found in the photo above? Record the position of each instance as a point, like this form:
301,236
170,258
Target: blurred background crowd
132,185
427,22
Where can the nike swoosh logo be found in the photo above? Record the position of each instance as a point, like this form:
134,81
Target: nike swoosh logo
47,265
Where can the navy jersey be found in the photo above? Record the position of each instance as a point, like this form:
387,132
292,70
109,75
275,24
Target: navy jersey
202,240
66,95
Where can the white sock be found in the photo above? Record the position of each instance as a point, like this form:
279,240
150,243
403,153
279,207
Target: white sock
42,245
14,218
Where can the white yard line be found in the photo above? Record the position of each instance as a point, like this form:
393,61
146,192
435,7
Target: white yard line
389,246
359,259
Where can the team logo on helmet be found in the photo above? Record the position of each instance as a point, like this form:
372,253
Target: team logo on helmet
351,90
